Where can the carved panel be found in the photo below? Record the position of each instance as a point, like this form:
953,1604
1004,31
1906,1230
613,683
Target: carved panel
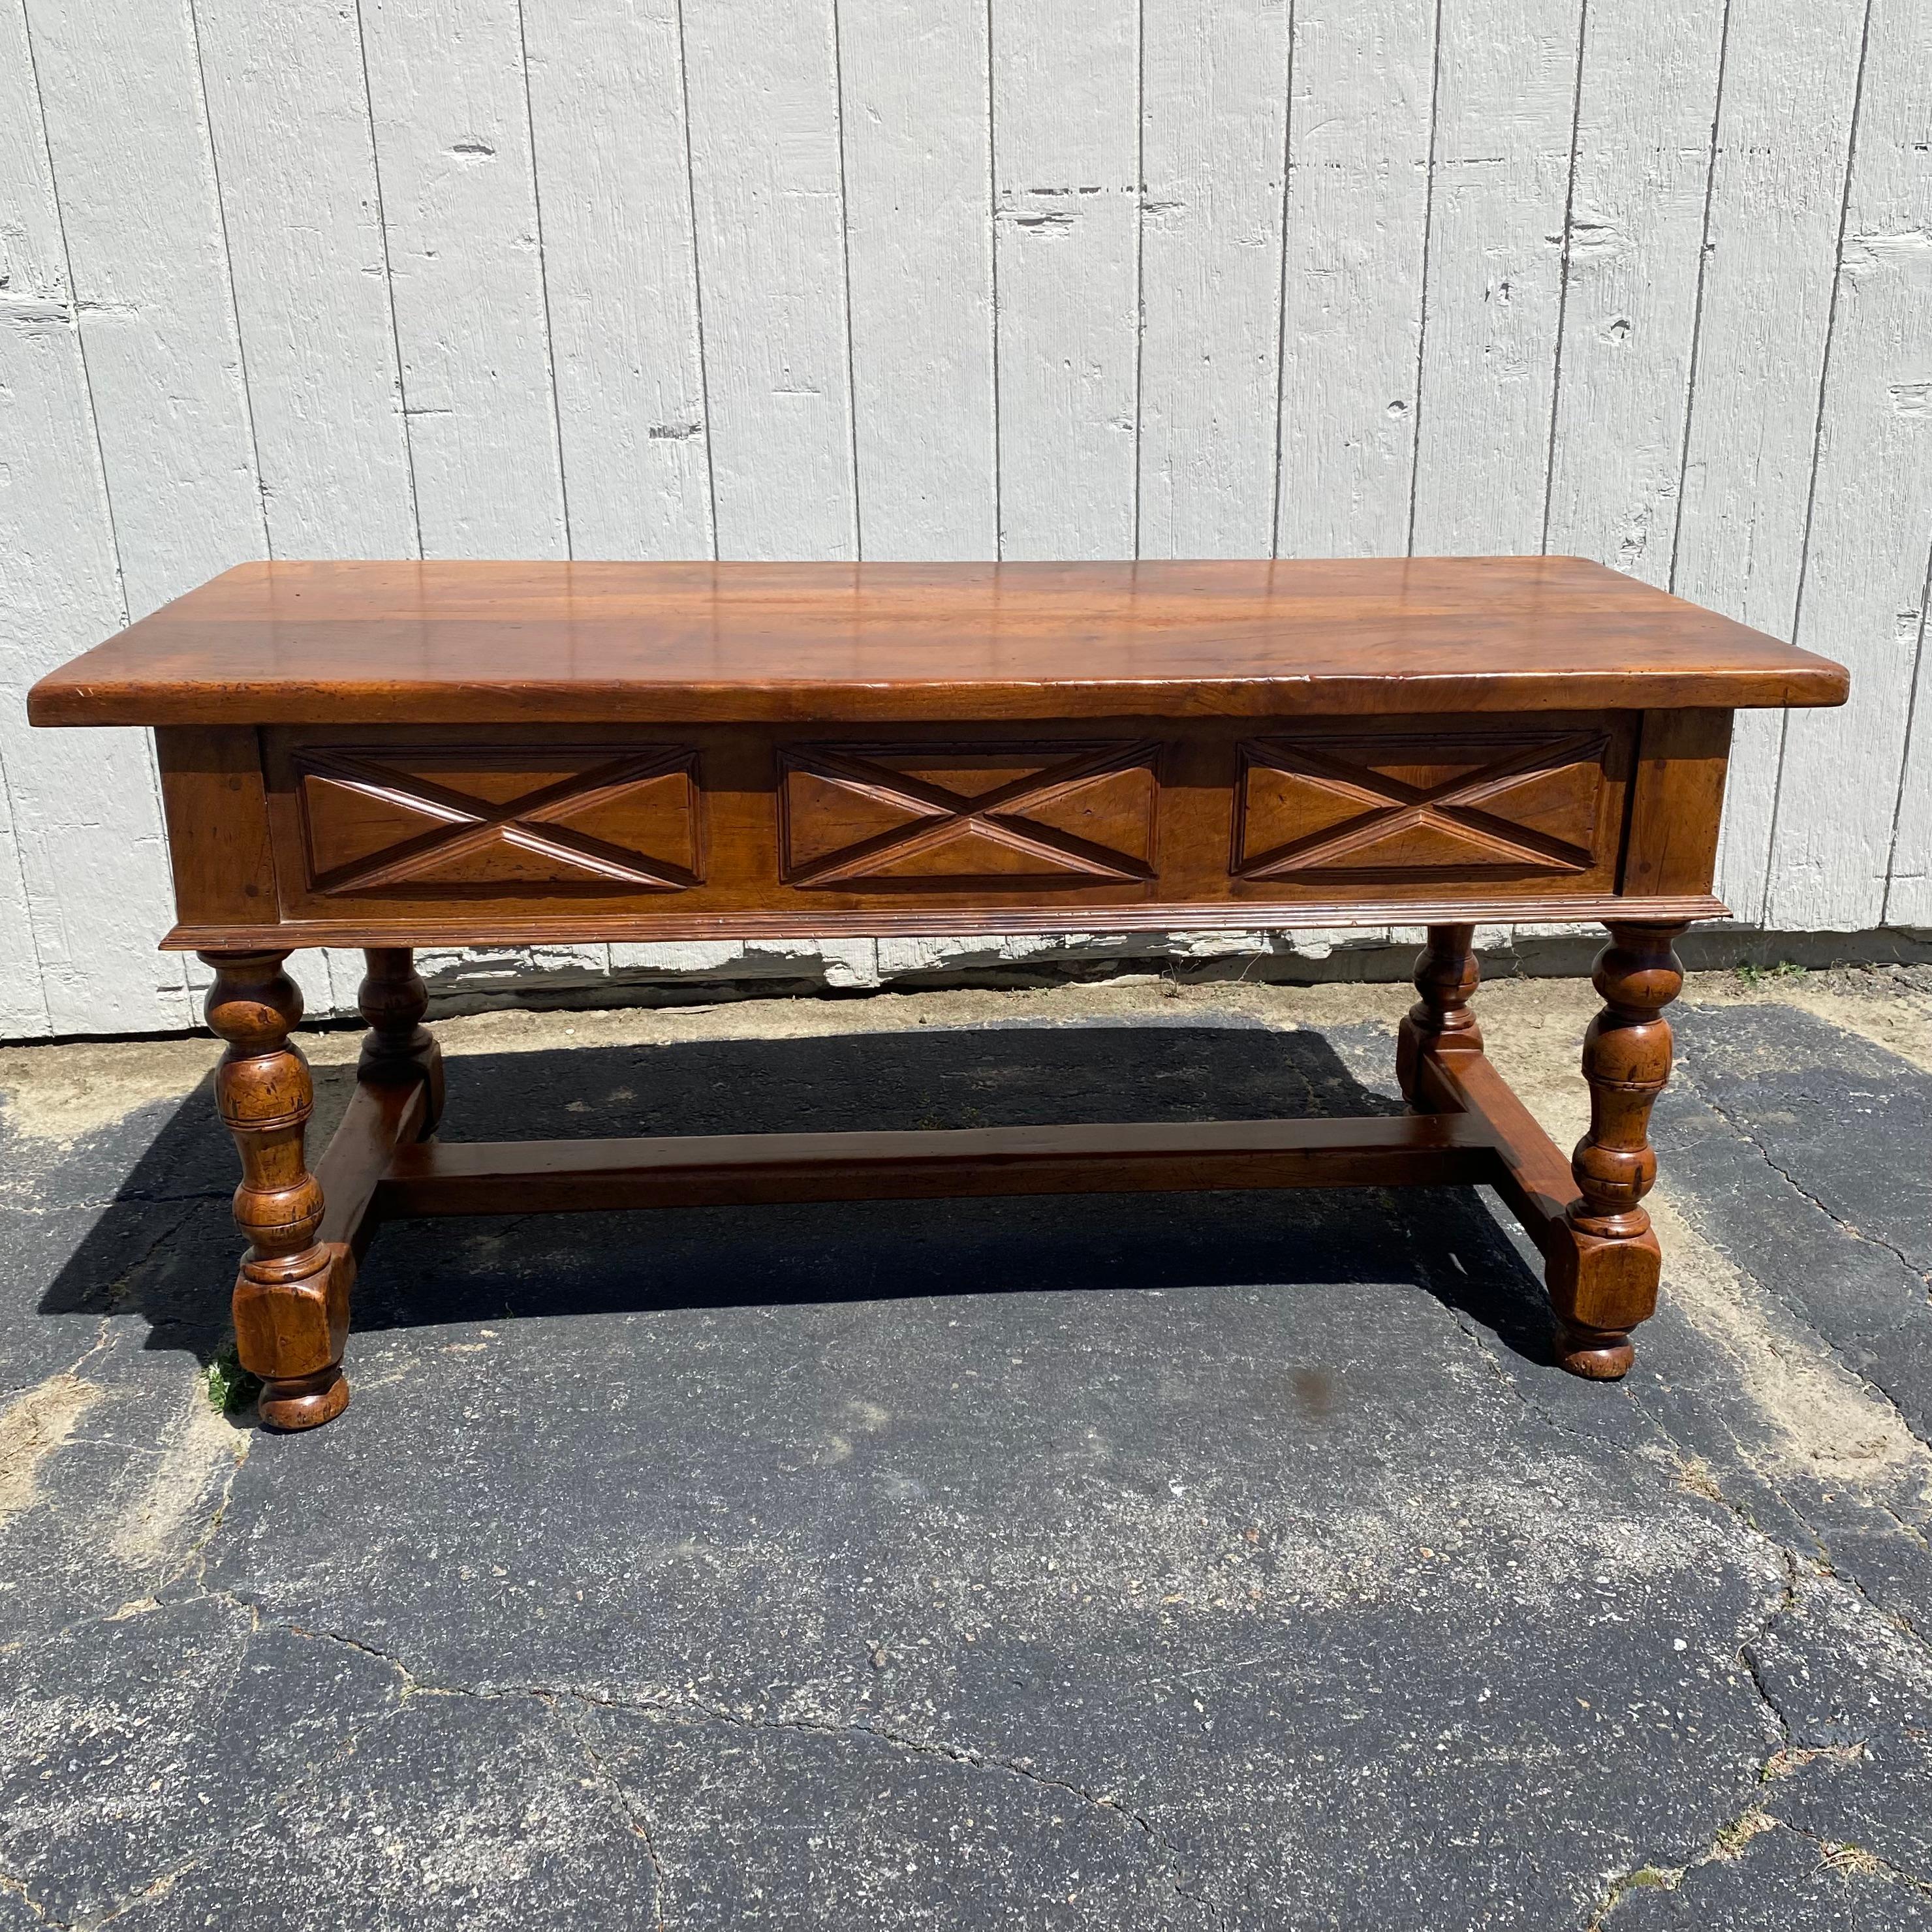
901,818
1382,807
459,822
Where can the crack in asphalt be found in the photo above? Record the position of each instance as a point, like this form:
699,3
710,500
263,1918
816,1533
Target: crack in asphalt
1834,1848
1692,1211
1754,1821
1166,1862
665,1901
1165,1854
567,1705
99,1203
1908,1529
1784,1174
1747,1655
1166,1866
153,1887
252,1822
1788,1758
18,1886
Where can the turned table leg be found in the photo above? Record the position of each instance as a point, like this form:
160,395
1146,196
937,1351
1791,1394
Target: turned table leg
393,999
291,1303
1446,976
1603,1280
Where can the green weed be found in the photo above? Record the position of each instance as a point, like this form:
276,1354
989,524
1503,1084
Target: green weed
1757,976
231,1388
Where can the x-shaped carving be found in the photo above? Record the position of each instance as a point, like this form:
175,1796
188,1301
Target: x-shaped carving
465,824
998,814
1454,807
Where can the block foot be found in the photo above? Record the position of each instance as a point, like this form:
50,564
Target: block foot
304,1402
1596,1354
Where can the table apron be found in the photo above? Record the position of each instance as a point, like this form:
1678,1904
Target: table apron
284,837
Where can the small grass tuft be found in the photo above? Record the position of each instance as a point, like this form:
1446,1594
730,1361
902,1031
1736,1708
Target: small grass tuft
1757,976
230,1386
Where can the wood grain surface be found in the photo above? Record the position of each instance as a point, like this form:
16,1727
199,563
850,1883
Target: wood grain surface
399,643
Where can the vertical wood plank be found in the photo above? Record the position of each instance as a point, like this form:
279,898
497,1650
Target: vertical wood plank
451,120
1214,100
23,1002
145,241
132,383
290,123
1863,595
36,328
1777,196
607,102
1908,887
916,115
1066,219
763,84
451,104
86,821
1359,142
1646,105
1492,297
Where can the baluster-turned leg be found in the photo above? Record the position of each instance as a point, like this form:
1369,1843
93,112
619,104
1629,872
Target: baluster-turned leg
393,999
1604,1281
1446,976
291,1303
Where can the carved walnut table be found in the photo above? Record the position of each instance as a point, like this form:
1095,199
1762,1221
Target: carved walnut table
395,755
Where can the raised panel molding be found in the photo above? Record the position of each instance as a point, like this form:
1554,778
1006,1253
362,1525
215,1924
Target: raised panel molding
1386,807
900,817
453,822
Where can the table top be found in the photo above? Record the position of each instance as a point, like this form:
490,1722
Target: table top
449,643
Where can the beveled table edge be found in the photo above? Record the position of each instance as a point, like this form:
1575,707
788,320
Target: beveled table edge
59,700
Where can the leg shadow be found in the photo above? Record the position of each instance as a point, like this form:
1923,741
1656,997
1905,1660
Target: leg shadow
428,1272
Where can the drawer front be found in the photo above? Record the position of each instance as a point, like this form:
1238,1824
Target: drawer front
901,820
464,821
1483,804
799,824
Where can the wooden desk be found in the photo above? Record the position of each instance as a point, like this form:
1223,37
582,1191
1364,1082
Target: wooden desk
392,755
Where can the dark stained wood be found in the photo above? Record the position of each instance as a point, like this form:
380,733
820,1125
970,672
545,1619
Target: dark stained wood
380,1117
1607,1282
1600,1253
965,812
1534,803
1676,797
399,1049
527,834
215,799
750,820
1602,1260
291,1300
1446,977
397,755
517,928
725,1170
1534,1177
391,643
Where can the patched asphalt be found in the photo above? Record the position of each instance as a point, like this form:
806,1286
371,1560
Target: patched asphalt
1223,1562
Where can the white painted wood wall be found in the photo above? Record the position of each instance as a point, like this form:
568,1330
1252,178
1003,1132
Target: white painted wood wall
1650,280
